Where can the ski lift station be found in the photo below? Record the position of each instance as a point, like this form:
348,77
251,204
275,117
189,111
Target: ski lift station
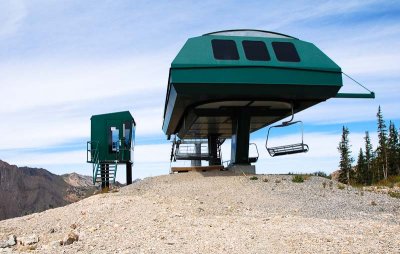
228,84
111,144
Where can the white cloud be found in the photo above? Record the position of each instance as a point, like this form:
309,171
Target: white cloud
33,84
47,104
12,14
296,13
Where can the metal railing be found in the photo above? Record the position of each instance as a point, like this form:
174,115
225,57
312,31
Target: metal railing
94,157
195,151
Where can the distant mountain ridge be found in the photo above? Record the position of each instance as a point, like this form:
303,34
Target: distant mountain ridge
25,190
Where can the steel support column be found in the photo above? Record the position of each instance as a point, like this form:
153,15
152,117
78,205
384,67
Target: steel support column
105,176
213,150
128,173
240,138
197,149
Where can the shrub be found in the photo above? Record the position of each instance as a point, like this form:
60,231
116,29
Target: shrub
324,184
341,186
390,182
321,174
394,194
298,179
265,180
253,178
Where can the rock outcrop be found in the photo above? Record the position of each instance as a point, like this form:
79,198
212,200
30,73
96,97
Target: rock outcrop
25,190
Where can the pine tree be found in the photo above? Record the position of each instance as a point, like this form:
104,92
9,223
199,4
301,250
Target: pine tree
398,153
345,171
362,171
369,157
382,147
392,150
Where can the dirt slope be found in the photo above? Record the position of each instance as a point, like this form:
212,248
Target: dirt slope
218,213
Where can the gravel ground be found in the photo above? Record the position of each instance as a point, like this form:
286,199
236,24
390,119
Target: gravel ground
217,212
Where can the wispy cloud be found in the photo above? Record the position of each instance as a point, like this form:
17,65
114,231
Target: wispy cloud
12,14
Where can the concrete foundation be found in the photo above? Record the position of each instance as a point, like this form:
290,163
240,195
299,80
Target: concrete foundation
247,169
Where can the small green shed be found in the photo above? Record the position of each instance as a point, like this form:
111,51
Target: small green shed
112,142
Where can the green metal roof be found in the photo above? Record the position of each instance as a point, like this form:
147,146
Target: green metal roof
197,52
123,115
197,78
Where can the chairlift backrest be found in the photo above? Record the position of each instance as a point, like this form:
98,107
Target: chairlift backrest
253,159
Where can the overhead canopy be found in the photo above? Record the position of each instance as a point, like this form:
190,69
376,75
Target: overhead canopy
262,73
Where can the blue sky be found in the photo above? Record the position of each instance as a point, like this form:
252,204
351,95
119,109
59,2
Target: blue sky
61,62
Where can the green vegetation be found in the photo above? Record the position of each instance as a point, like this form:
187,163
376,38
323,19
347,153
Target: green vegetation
345,172
298,179
394,194
321,174
380,166
341,186
253,178
390,182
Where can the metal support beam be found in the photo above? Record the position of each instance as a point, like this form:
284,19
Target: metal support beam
105,176
240,138
231,111
197,149
370,95
128,173
213,150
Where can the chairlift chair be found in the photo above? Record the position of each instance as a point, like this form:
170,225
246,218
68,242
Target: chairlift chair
254,159
287,149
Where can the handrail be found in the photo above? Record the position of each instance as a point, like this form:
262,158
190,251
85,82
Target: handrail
94,158
250,30
115,171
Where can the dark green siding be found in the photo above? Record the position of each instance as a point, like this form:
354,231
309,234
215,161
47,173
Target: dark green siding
100,127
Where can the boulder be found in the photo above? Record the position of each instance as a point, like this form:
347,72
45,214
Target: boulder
28,240
70,238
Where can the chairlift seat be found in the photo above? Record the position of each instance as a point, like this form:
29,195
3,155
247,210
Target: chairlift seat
191,156
253,159
288,149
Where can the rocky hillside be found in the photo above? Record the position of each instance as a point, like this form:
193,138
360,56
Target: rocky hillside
79,187
215,212
26,190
